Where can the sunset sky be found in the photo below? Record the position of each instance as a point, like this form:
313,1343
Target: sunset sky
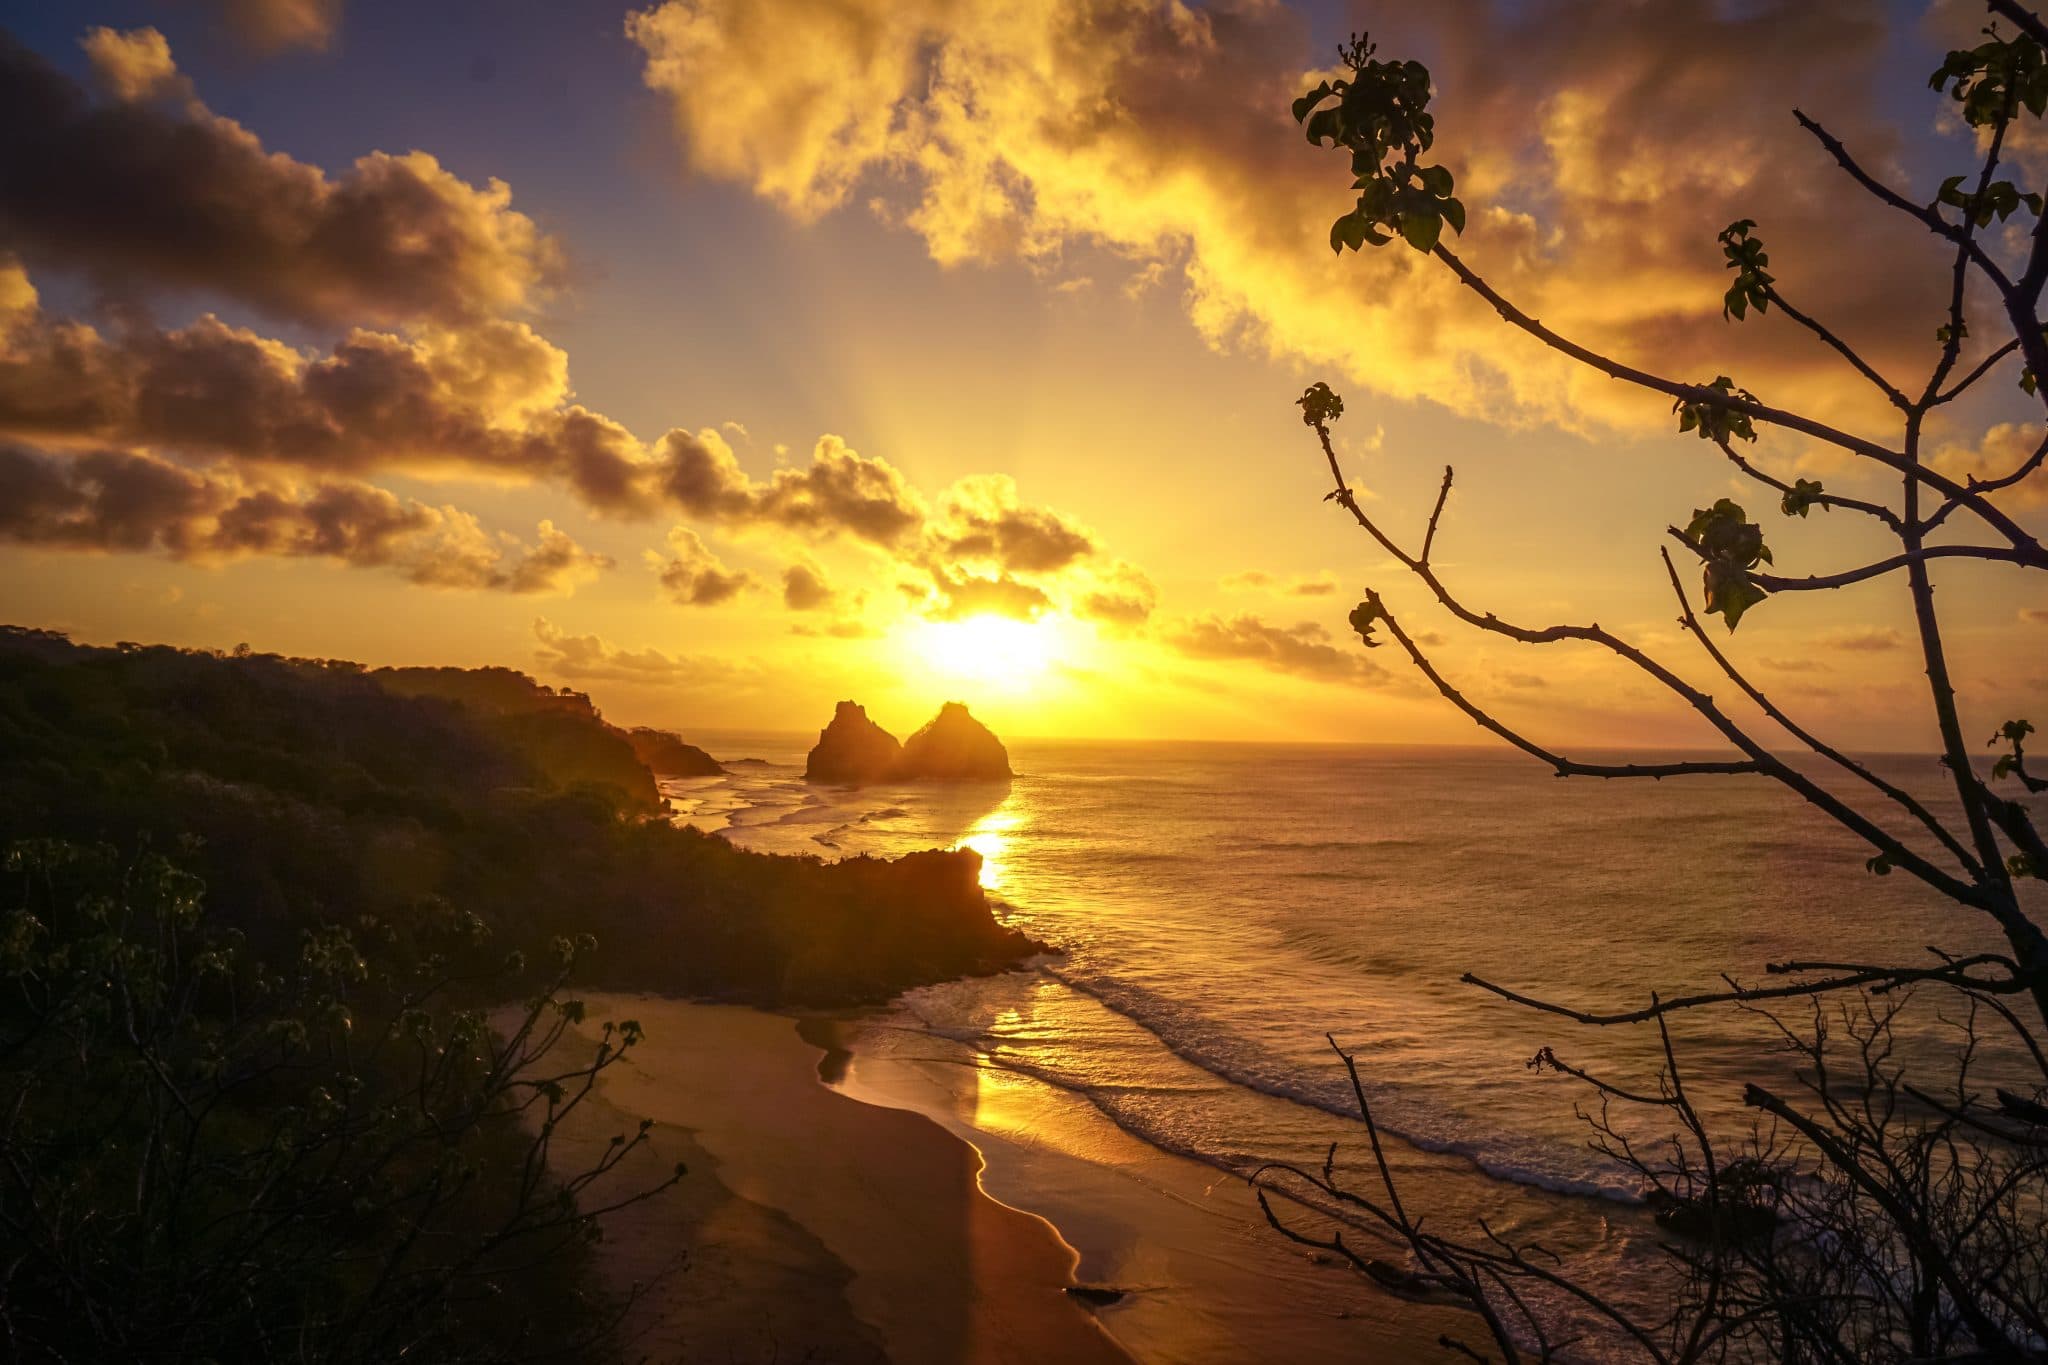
726,358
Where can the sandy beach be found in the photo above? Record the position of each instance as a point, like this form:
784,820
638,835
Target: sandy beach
817,1227
880,1216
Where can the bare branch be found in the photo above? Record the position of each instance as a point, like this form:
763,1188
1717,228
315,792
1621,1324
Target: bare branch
1898,796
1953,973
1436,514
1872,509
1892,564
1840,347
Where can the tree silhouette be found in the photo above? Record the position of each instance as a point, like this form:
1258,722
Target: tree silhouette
1875,1213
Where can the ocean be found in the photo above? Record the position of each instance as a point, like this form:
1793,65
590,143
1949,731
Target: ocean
1223,911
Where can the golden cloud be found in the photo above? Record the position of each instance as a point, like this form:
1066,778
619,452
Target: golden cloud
1600,144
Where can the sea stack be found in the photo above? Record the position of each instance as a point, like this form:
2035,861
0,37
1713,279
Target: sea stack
852,749
954,747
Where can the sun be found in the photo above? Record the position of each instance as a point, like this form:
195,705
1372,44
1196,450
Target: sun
993,652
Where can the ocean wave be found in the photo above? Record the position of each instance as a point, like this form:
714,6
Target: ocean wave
1397,1110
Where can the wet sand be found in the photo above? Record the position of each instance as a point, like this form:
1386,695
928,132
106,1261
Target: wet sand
816,1227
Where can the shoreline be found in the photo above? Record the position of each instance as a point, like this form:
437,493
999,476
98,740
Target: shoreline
817,1225
1202,1280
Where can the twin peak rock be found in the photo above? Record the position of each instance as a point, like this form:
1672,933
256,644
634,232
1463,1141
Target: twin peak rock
954,747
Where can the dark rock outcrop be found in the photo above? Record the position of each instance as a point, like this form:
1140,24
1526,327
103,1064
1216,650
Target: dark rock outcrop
954,747
665,754
852,749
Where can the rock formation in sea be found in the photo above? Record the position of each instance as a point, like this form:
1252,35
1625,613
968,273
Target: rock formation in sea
954,747
852,749
665,754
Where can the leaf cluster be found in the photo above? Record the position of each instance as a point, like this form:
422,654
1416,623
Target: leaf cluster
1751,287
1990,81
1380,114
1712,419
1730,547
1803,494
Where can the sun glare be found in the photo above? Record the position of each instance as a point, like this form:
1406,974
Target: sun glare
992,652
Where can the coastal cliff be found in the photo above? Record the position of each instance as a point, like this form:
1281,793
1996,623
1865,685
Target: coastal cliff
952,747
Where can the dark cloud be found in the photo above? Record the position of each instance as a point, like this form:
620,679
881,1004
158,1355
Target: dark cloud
145,188
980,521
124,502
1304,650
489,398
840,492
804,588
267,27
1864,639
1124,598
696,577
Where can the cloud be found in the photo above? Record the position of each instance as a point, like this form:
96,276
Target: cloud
2002,448
693,575
117,501
1123,597
1862,639
850,629
1525,681
980,521
267,27
147,189
2034,615
1599,145
134,67
839,492
488,398
1304,650
593,657
804,588
963,595
1300,585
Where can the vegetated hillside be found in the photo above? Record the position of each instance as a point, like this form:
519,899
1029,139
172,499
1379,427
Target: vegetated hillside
308,792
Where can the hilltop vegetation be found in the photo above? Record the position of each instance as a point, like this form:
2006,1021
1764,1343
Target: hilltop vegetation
308,792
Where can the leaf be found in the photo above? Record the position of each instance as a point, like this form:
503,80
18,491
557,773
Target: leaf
1422,229
1309,101
1454,214
1362,618
1803,494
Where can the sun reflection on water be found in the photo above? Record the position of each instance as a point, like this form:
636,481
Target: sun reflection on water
991,837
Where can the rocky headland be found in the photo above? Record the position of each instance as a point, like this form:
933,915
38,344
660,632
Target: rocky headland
666,755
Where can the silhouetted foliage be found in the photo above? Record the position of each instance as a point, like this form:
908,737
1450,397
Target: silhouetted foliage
1895,1207
211,1157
